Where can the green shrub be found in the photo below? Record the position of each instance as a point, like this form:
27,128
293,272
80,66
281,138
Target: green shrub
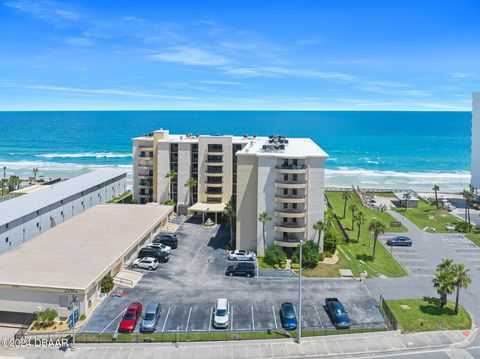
107,284
170,202
295,266
464,227
310,255
330,243
83,317
45,318
274,255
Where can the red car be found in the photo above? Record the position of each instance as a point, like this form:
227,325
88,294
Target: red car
130,318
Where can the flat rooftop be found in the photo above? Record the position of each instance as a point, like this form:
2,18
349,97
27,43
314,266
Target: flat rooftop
31,202
76,252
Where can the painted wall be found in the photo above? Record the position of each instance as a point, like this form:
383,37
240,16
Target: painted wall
315,193
184,164
266,200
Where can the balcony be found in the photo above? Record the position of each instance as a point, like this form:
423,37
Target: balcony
290,184
214,194
290,212
215,184
290,227
145,175
291,198
215,171
287,242
293,169
214,151
214,163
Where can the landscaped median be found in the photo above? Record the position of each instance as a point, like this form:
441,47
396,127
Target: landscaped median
422,315
358,254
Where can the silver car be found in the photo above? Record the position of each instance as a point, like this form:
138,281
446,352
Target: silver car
150,318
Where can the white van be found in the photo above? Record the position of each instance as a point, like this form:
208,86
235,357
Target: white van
221,317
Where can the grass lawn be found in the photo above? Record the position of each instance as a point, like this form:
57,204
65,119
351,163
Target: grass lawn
262,264
427,215
474,237
423,315
330,270
358,254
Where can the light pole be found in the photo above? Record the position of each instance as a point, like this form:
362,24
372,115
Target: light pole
299,324
74,299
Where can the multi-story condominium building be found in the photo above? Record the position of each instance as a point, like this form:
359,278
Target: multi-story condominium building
475,182
282,177
26,216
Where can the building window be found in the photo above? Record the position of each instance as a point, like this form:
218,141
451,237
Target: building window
285,177
285,205
63,302
294,205
6,240
285,220
294,220
38,212
38,224
295,177
6,226
285,191
294,191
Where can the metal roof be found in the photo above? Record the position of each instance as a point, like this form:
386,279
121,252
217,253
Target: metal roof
20,206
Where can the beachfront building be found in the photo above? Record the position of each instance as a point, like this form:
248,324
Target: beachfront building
475,181
72,259
282,177
28,215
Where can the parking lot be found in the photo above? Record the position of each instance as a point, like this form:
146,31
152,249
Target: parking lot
189,284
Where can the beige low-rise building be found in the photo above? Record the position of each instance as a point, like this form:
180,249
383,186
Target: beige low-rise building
73,257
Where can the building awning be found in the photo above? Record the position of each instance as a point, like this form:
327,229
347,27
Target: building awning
208,207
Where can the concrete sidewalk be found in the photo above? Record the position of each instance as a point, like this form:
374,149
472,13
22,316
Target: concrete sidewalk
343,346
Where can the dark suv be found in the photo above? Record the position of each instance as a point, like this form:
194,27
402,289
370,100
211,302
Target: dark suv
170,241
154,253
243,269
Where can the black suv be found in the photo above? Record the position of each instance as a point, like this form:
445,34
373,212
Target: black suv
170,241
243,269
154,253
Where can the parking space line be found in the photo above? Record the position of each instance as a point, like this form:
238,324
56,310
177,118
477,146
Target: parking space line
166,318
231,326
274,317
318,315
123,311
253,319
188,319
211,319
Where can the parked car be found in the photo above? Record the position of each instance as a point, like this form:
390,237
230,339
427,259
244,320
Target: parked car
166,235
221,317
160,246
150,318
154,253
172,242
149,263
130,318
449,227
399,241
242,256
337,313
288,316
241,269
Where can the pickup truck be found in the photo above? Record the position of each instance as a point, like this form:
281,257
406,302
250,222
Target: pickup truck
337,313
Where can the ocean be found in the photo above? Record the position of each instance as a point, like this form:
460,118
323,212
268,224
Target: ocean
368,148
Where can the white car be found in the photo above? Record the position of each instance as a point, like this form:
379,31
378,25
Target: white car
145,263
161,246
449,227
221,317
242,256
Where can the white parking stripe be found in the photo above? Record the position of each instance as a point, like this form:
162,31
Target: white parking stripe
231,326
253,319
188,320
211,320
166,318
121,313
274,317
318,315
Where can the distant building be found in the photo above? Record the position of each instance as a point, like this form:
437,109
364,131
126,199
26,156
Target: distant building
280,176
26,216
475,169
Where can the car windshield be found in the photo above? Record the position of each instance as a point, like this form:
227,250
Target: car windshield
149,316
221,312
130,315
289,314
339,311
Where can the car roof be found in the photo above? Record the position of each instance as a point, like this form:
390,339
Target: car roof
222,303
134,305
152,307
246,265
287,305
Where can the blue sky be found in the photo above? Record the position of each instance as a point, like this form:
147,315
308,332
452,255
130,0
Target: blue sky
353,55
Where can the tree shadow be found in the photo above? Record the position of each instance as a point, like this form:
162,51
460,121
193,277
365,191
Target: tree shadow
364,257
433,307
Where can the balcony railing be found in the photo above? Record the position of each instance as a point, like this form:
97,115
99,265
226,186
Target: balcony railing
290,182
214,171
291,196
209,192
290,210
291,167
148,175
290,225
214,150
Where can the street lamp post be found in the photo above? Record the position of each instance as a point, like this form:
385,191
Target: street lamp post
299,324
74,299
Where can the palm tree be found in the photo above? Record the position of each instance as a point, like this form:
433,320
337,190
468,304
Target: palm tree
461,279
345,196
377,228
328,218
445,265
443,283
229,211
319,226
14,182
436,189
171,175
264,218
35,171
406,197
468,196
353,208
4,185
360,219
191,183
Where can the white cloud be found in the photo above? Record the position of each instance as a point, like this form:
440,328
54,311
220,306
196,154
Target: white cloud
190,56
461,75
52,11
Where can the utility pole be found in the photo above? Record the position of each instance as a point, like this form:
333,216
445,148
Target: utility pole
72,304
299,323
